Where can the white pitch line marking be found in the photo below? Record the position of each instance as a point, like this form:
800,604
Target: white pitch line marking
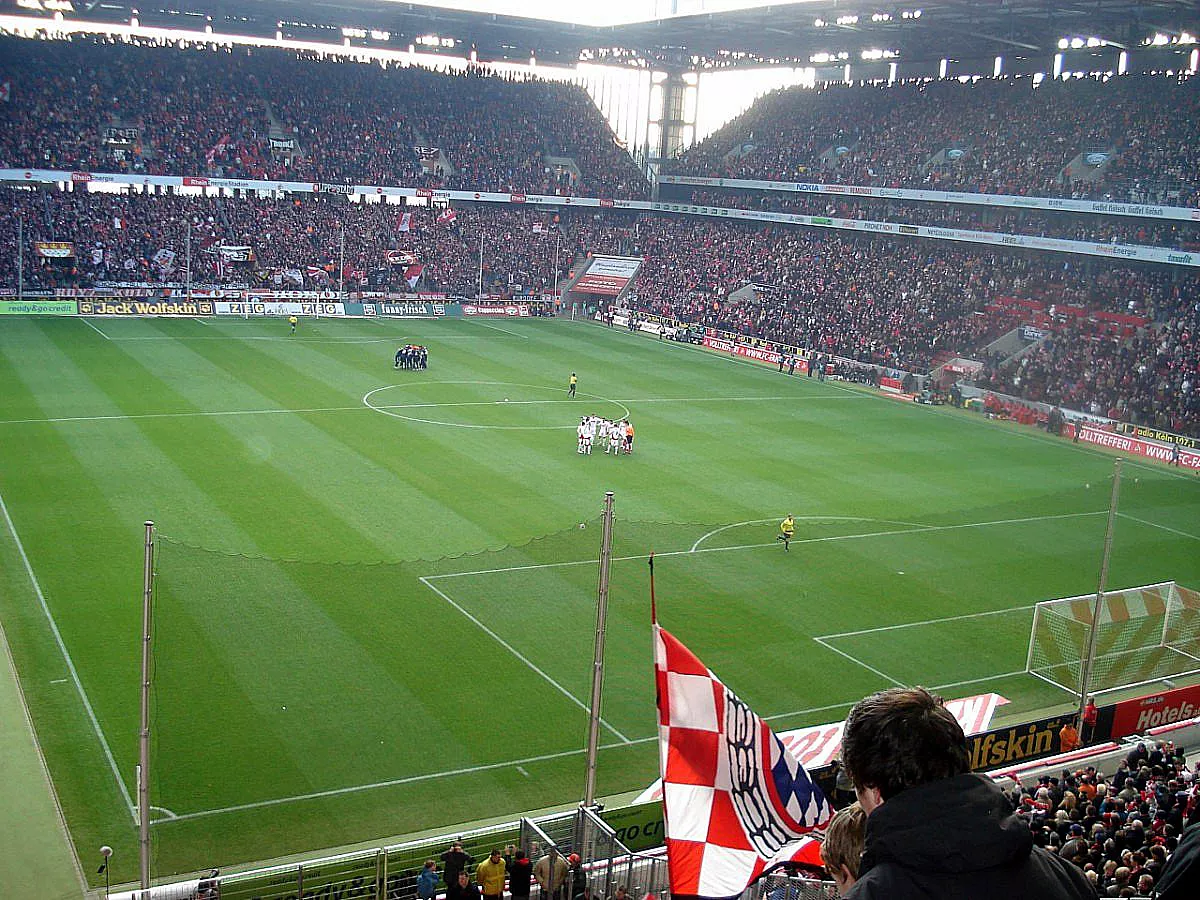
498,328
60,681
1157,525
519,655
978,615
88,322
859,662
716,531
523,771
324,409
62,647
393,782
922,529
178,415
231,337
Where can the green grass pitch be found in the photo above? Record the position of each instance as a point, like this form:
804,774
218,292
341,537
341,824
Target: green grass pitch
375,605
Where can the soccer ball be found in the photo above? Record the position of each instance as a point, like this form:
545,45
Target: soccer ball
583,524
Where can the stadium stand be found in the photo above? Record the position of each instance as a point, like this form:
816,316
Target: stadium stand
113,106
995,136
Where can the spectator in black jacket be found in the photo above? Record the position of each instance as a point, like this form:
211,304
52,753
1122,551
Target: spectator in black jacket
934,829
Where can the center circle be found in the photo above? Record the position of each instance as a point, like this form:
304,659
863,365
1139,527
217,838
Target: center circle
509,395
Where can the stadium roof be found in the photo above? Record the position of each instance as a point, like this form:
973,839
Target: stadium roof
754,35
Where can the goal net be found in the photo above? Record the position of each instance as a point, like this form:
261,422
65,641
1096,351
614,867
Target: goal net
1144,634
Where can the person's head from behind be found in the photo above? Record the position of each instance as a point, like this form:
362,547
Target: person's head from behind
898,739
843,845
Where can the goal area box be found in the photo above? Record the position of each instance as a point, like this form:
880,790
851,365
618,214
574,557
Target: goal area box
1145,634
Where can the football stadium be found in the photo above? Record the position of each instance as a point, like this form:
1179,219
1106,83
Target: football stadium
698,449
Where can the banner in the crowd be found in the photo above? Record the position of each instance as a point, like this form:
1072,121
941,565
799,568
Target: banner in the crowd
1098,207
122,307
1032,242
1139,715
607,275
235,254
1157,434
54,249
116,135
11,306
279,308
282,144
1173,454
891,385
400,257
1030,333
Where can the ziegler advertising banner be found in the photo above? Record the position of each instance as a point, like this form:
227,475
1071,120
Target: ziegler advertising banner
279,308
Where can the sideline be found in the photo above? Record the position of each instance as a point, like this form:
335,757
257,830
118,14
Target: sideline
62,647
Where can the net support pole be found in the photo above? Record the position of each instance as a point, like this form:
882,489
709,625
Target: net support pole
342,260
593,741
189,258
1085,670
20,257
143,781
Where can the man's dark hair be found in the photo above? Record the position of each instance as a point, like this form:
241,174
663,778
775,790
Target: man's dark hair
900,738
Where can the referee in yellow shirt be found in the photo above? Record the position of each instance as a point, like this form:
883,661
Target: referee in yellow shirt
787,528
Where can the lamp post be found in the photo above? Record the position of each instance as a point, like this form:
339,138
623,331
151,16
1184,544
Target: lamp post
105,852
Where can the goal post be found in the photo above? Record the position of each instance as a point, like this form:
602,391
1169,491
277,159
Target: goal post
1144,634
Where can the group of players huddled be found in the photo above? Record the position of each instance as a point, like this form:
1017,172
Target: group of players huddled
412,356
615,437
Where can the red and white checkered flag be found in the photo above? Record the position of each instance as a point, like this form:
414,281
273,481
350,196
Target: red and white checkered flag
735,801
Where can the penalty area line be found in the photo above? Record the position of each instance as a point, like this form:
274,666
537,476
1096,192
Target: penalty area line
86,321
921,529
519,655
1147,522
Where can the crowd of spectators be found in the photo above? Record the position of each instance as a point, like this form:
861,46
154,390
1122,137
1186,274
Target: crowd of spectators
1002,136
898,303
318,242
214,112
1178,235
1121,829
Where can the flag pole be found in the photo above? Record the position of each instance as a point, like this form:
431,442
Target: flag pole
557,244
143,780
21,257
342,258
480,294
593,742
1085,670
189,258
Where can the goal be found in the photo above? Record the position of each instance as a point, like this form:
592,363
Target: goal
1145,634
